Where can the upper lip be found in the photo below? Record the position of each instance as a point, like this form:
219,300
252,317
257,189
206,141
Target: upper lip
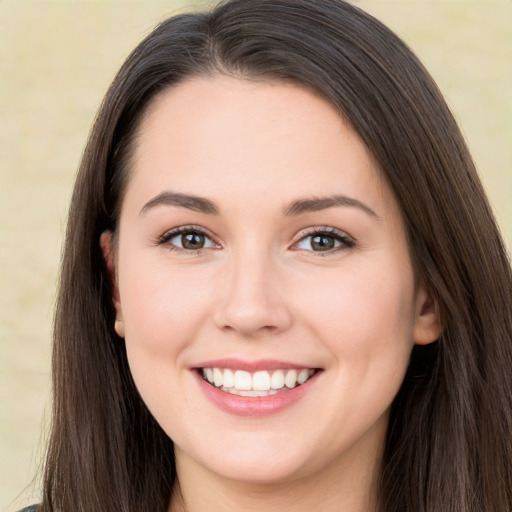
251,366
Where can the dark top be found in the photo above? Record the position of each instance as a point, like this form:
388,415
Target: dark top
32,508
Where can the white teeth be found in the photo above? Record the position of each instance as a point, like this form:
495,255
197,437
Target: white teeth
277,381
291,379
218,377
260,383
234,391
229,379
243,380
302,376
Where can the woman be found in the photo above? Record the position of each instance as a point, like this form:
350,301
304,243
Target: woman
283,287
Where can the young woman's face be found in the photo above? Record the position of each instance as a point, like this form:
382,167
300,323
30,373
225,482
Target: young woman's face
265,284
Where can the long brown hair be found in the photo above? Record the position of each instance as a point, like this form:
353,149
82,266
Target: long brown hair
449,442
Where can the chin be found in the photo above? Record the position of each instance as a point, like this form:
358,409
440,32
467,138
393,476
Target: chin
261,473
260,459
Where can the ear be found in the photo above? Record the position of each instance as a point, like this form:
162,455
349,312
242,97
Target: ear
428,326
109,257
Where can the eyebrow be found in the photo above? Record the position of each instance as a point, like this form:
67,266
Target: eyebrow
197,204
298,207
315,204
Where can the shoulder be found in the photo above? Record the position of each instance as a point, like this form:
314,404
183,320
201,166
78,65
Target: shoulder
32,508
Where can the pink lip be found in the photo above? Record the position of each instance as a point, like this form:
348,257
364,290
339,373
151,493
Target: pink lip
253,406
251,366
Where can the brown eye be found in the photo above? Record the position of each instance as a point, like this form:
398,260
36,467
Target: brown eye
192,241
322,243
325,240
187,239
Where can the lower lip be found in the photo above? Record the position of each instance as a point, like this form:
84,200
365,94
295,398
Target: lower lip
257,406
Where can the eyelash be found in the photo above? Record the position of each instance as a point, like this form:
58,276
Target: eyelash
345,241
182,230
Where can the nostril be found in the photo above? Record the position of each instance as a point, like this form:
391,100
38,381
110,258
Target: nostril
253,321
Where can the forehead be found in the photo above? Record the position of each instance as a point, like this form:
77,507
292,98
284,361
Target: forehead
210,136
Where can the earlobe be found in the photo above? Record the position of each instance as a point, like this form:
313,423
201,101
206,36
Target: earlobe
428,326
108,256
119,328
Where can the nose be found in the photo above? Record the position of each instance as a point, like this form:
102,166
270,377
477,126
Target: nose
252,301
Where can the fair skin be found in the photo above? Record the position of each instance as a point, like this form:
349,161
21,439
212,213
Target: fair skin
329,290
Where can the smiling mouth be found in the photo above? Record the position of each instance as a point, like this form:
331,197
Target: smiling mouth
256,384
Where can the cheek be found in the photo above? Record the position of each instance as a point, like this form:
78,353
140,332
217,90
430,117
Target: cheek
162,312
162,307
364,311
364,317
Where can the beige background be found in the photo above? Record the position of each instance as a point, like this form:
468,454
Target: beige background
56,61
